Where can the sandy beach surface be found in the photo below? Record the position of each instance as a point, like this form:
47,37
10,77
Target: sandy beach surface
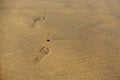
59,39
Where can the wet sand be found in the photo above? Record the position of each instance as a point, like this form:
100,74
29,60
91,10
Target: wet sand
59,40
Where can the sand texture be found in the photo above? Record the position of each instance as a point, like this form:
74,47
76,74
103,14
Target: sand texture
59,39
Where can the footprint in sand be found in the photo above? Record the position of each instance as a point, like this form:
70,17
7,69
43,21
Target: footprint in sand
38,22
42,53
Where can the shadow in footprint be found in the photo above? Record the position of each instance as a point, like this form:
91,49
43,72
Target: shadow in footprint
37,22
42,53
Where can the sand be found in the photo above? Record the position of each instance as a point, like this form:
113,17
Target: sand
59,40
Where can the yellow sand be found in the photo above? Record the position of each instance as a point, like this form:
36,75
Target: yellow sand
59,40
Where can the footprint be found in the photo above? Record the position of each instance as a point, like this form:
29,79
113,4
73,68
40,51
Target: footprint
36,60
44,50
42,53
38,21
